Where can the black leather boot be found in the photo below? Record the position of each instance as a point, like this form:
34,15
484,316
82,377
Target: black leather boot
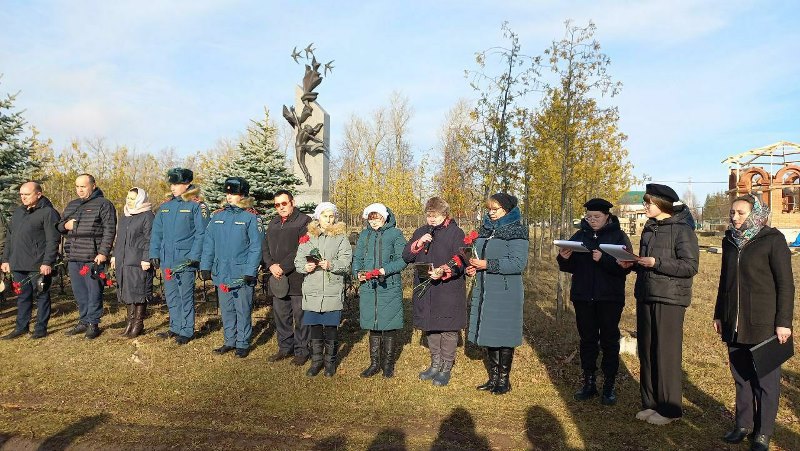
139,312
388,355
503,383
759,442
374,356
589,388
129,324
433,369
493,368
442,377
92,331
317,362
331,350
609,397
737,435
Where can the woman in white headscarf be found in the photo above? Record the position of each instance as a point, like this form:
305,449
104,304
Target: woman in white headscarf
131,259
324,256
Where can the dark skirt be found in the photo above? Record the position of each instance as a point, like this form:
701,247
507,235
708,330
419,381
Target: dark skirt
332,318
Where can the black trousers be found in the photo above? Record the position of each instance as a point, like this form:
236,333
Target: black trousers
659,340
756,397
292,334
598,327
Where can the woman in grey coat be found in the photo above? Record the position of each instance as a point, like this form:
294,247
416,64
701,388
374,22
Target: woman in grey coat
132,260
495,319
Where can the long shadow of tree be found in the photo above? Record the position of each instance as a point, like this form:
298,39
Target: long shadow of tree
65,437
457,432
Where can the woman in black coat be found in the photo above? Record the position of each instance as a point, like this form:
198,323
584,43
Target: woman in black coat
598,295
667,263
440,307
755,301
132,260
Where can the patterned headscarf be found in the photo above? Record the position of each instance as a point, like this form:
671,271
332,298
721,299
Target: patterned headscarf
758,218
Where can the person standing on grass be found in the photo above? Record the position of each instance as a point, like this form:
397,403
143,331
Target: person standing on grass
89,224
755,301
285,282
176,244
231,256
495,319
131,261
440,304
324,255
380,248
668,261
598,295
31,249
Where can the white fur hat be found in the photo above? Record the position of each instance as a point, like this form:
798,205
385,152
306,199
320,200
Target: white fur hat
376,208
325,206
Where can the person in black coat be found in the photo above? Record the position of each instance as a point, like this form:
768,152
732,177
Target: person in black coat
668,261
31,250
89,224
755,301
132,260
440,306
598,295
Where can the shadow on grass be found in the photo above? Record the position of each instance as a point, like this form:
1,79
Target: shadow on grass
65,437
543,430
457,431
263,331
390,439
332,443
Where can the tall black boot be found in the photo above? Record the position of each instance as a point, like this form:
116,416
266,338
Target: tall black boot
503,383
139,312
493,368
588,389
388,355
331,350
317,362
374,356
609,396
129,325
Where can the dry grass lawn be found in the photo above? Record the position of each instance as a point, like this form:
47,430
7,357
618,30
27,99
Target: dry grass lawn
68,392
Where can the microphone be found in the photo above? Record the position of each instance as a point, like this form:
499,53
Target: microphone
428,244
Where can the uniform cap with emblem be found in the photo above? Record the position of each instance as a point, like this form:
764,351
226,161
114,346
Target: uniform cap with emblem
180,175
237,185
598,204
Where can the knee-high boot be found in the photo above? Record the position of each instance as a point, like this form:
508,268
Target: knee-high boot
503,382
317,361
139,312
388,355
331,350
374,356
129,325
493,368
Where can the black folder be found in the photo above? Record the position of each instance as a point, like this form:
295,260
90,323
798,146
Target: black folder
770,354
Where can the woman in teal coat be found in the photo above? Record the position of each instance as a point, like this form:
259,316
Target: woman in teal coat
377,263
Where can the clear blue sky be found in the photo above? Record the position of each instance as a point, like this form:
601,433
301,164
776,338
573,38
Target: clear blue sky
702,79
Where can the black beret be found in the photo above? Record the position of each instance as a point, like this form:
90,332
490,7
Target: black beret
598,204
237,185
662,191
507,201
180,175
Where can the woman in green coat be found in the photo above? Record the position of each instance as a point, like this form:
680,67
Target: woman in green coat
377,263
324,256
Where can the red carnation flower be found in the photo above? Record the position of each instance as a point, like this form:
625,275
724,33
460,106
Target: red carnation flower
457,261
16,285
109,283
84,270
471,237
102,276
224,288
304,239
17,291
168,274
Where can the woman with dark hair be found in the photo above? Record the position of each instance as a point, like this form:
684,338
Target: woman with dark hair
440,304
667,262
755,301
495,319
131,260
598,295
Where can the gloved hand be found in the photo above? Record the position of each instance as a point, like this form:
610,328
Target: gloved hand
193,264
155,263
250,280
205,275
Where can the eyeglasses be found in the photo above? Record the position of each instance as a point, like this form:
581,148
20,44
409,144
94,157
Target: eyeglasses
646,204
281,204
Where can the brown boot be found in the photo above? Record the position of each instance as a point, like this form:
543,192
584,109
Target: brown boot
129,325
138,321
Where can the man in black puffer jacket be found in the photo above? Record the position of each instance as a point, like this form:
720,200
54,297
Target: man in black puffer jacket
89,223
31,249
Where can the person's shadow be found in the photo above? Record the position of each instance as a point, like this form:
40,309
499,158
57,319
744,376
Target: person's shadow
65,437
457,432
332,443
543,430
390,439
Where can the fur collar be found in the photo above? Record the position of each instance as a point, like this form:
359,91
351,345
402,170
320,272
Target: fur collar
338,228
191,194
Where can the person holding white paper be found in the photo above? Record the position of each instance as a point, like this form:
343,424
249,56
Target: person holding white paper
598,295
755,301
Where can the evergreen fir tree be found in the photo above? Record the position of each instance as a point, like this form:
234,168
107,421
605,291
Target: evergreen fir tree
16,165
258,161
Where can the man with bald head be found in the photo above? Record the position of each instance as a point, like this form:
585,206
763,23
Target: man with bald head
30,251
89,224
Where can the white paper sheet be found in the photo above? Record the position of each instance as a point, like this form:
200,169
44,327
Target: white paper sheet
574,246
619,252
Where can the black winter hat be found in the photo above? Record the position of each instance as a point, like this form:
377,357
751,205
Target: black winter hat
180,175
598,204
237,185
662,191
507,201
